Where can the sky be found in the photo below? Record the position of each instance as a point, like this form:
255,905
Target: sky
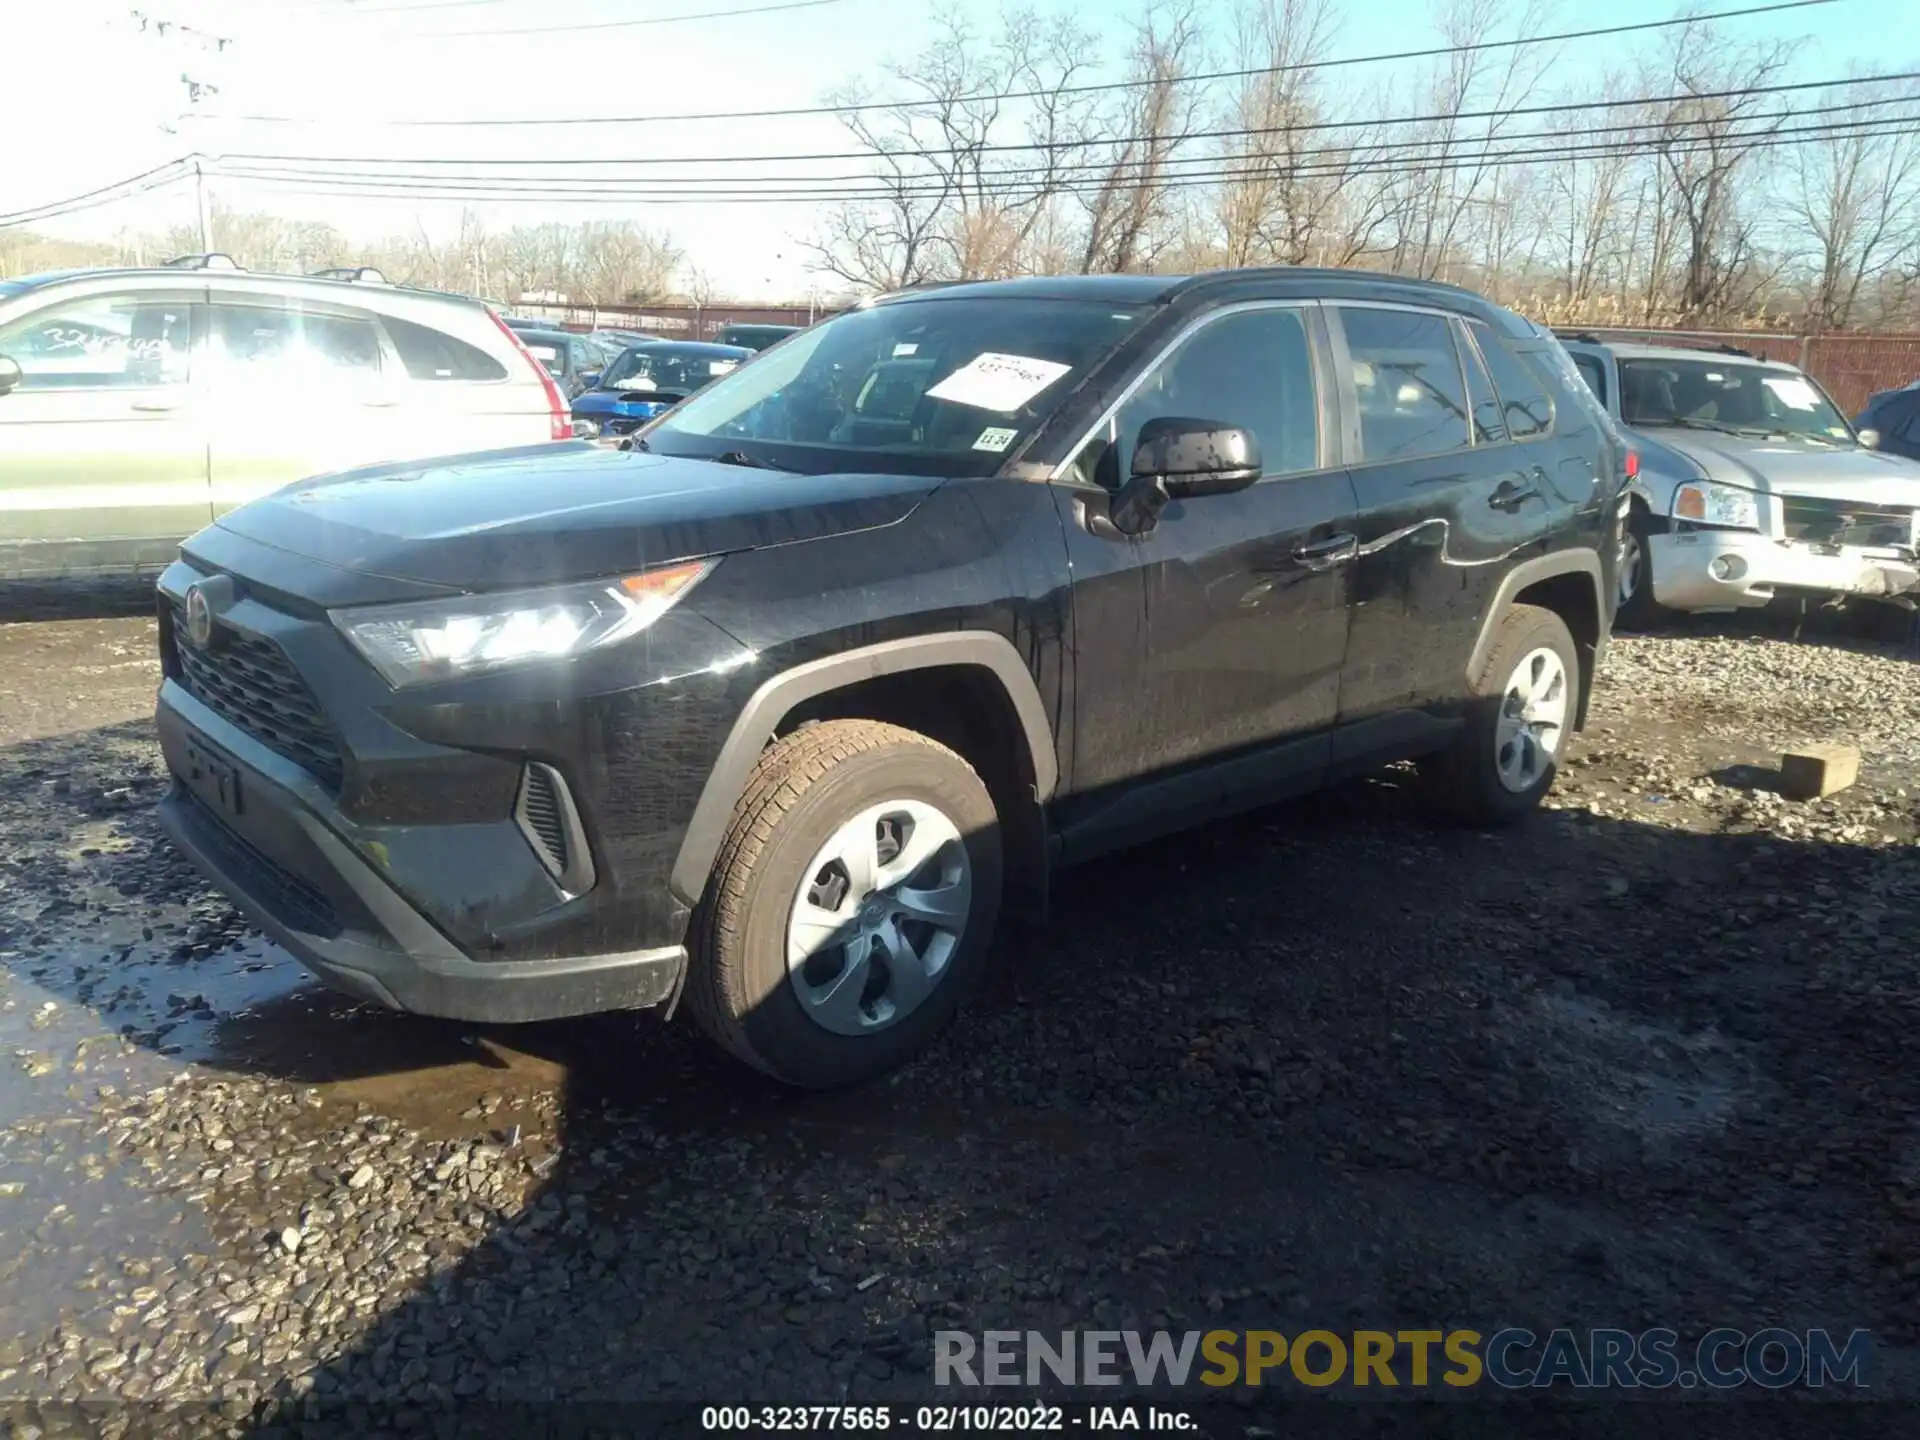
349,69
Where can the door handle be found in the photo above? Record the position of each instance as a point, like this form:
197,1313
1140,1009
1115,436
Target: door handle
1327,553
155,407
1509,495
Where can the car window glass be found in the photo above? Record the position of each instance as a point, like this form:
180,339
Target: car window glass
1253,370
103,340
1594,374
1407,382
1523,399
1488,426
269,344
430,355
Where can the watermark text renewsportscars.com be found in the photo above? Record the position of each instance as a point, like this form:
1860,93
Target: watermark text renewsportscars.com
1509,1358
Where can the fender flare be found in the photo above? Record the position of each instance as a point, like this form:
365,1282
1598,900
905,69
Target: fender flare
776,698
1532,572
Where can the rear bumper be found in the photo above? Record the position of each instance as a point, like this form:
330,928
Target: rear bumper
1722,569
292,875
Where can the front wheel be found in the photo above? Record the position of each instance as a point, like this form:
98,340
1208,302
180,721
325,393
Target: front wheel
851,904
1638,610
1520,711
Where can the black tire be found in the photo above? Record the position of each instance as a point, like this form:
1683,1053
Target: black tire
1463,781
1639,610
803,789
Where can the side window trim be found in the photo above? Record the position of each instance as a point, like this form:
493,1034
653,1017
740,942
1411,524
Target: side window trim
1357,457
1467,343
1312,320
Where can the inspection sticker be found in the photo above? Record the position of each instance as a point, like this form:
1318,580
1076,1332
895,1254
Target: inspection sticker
995,439
993,381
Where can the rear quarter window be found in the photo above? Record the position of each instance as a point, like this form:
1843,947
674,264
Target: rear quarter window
430,354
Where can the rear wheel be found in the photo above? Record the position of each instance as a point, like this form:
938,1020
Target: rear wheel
1518,718
851,904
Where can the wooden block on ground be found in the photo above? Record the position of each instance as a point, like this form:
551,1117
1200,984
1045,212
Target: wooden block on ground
1816,770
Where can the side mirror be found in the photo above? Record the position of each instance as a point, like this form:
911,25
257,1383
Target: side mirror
1870,439
1180,457
590,379
10,375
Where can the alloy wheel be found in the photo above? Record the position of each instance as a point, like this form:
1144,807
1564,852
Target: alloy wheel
1533,717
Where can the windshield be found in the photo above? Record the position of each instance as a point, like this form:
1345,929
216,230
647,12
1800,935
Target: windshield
925,386
1718,395
667,370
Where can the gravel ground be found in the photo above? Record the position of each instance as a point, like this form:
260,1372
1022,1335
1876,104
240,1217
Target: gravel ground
1642,1061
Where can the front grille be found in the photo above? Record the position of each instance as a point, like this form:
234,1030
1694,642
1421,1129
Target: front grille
253,685
286,894
1840,522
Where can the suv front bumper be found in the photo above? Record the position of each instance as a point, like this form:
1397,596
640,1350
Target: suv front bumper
258,828
1736,569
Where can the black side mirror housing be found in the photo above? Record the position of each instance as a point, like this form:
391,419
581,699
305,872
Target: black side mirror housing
1178,457
10,375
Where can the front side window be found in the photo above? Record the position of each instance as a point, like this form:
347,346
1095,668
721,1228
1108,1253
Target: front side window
1252,370
922,386
1407,383
267,344
1743,399
103,341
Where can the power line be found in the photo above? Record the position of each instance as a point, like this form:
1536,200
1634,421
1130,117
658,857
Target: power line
859,107
1027,192
644,20
826,184
1678,98
155,179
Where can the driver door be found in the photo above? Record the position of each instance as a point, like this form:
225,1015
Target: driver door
1207,651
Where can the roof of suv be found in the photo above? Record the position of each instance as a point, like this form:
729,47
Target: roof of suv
20,284
1164,289
1628,350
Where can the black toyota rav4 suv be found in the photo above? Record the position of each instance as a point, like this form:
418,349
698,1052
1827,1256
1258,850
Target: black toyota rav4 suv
776,709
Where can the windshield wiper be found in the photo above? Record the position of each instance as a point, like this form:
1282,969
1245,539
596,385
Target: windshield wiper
1692,424
751,462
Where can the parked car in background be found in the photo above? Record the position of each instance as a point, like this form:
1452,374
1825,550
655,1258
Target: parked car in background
572,360
138,404
755,337
860,641
645,380
1891,421
1751,486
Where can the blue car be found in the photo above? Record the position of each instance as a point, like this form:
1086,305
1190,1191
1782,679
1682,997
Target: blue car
646,379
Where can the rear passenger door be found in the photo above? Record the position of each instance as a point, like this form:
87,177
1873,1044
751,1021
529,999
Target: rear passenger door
1446,505
296,388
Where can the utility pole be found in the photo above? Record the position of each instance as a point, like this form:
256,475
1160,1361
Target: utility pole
207,44
200,202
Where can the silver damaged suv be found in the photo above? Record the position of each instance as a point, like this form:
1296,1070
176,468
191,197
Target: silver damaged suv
1752,486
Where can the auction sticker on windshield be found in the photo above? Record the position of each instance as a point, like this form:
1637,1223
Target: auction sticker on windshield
998,382
995,439
1794,393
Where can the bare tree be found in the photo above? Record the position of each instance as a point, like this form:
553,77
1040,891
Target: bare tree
953,201
1586,196
1710,143
1853,194
1129,208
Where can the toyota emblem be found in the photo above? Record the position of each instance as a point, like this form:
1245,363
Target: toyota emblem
199,617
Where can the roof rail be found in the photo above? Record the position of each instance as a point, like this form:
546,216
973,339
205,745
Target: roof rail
1736,350
1583,337
359,274
212,260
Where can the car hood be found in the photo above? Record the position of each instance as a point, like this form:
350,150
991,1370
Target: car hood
1792,467
499,519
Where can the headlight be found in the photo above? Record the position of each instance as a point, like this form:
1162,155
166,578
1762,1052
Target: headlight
1717,505
419,642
